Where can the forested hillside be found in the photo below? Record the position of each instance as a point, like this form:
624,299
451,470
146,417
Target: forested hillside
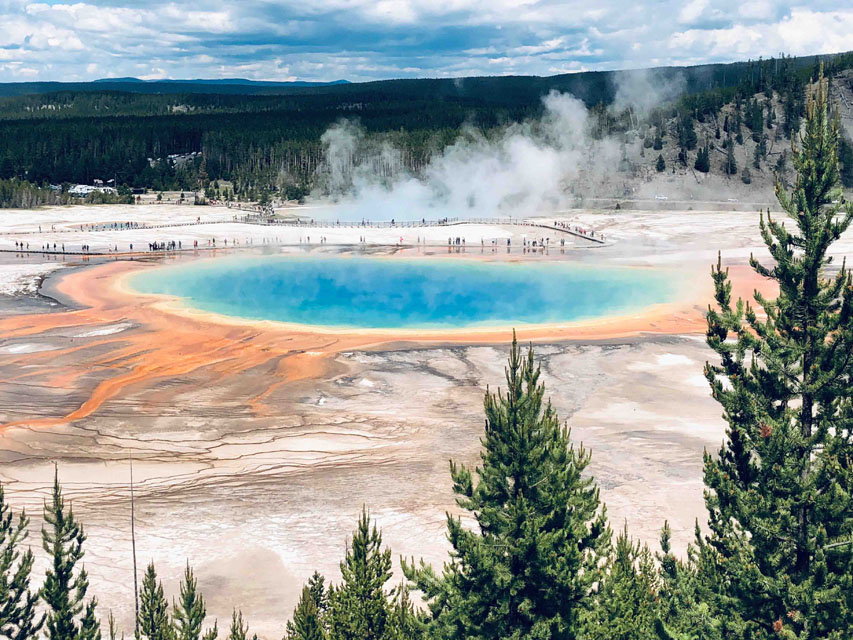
267,140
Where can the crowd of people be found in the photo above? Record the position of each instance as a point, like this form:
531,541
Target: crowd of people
109,226
588,233
459,242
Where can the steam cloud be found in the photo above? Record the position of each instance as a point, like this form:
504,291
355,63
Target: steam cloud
530,168
642,90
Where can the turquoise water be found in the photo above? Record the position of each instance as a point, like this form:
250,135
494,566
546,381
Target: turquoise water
399,293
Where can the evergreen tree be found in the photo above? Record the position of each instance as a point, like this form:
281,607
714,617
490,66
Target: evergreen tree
738,126
780,494
703,160
68,616
755,119
529,566
154,622
660,164
730,166
320,597
781,165
112,630
792,114
90,626
239,628
307,623
683,610
658,143
404,622
626,604
18,620
359,606
845,159
687,138
317,587
189,612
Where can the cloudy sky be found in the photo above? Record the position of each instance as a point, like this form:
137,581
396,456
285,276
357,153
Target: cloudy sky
374,39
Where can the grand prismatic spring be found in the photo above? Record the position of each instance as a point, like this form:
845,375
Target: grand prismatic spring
399,293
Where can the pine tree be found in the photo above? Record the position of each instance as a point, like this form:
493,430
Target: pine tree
112,630
239,629
317,588
731,166
687,138
703,160
359,606
68,616
320,598
660,164
738,126
780,494
404,622
845,159
792,115
626,604
90,626
781,165
154,622
527,569
189,612
307,623
18,619
683,610
755,119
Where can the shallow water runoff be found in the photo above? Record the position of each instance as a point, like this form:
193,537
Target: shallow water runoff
407,293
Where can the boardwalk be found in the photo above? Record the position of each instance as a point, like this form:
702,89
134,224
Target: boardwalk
74,239
575,231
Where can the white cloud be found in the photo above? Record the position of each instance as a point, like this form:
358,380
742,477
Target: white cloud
803,32
760,9
691,11
367,39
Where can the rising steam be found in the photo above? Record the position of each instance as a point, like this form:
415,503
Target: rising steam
529,168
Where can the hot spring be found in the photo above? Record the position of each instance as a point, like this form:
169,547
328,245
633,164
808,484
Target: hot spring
402,293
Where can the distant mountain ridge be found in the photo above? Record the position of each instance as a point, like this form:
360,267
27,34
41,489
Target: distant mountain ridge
224,81
591,87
